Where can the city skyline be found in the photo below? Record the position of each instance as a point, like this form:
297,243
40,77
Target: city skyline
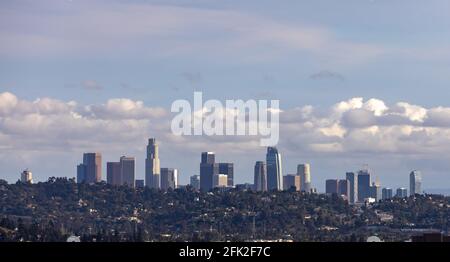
355,187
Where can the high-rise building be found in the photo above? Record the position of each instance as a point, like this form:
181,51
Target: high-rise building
353,181
26,176
208,168
260,176
169,178
90,171
113,173
331,186
401,192
274,169
195,181
386,193
140,183
152,168
227,169
375,191
304,171
344,188
290,181
127,170
364,181
415,183
220,180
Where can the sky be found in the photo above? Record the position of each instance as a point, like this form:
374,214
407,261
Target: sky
359,82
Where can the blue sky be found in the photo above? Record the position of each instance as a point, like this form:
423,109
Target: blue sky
316,53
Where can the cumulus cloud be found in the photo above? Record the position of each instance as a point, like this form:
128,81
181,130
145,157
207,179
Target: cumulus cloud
348,128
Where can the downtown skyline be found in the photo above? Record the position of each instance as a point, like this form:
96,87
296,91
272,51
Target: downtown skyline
360,85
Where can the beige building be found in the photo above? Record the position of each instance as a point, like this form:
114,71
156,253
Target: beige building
26,176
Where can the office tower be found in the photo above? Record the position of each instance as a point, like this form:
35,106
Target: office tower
26,176
304,171
127,170
169,178
139,183
227,169
152,169
195,181
260,176
292,181
90,171
331,186
344,187
113,173
386,193
274,169
375,191
208,168
353,181
415,183
220,180
401,192
363,184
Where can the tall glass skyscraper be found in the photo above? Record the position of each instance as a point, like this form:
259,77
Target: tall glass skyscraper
274,169
364,190
353,180
152,169
90,171
304,171
260,178
415,183
208,169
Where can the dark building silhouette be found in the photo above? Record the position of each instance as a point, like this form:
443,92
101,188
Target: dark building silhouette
344,188
113,173
90,171
208,168
274,169
152,168
227,169
292,181
353,181
364,180
331,186
169,178
260,176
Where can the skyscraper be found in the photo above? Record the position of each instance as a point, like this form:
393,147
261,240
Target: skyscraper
304,171
208,168
274,169
260,176
401,192
127,171
415,183
152,169
353,181
375,191
90,171
292,181
386,193
220,180
26,176
227,169
195,181
113,173
331,186
364,184
344,188
169,178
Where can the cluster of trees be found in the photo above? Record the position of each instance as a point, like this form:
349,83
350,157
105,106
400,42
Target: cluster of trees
59,208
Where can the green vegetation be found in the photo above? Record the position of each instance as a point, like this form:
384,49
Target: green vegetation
59,208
